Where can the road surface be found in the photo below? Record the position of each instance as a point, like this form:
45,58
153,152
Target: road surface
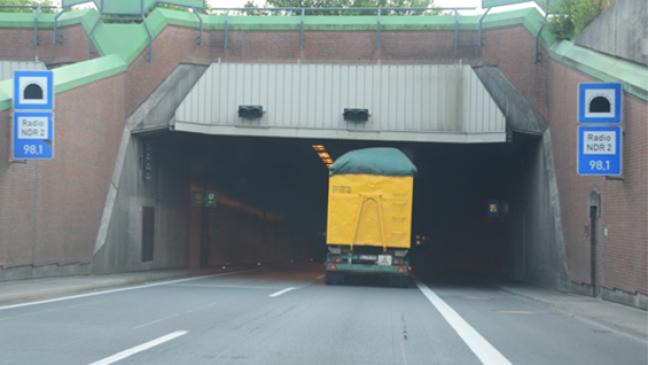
288,316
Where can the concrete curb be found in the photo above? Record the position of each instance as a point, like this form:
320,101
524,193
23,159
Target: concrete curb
563,308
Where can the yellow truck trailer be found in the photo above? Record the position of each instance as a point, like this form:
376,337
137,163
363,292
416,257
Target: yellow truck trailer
370,215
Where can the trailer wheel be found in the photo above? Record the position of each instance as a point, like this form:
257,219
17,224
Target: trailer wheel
405,282
398,281
330,278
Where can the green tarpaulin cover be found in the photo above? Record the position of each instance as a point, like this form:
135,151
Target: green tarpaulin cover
374,161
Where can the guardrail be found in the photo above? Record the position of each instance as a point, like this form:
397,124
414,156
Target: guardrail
378,12
37,9
301,12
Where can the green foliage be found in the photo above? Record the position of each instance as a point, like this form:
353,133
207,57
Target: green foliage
570,17
352,4
250,5
171,6
24,2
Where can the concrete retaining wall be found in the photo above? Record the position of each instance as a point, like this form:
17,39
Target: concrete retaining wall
620,31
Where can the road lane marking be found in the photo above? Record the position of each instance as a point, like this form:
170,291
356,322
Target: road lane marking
486,353
50,310
320,276
225,286
111,291
143,347
280,292
403,355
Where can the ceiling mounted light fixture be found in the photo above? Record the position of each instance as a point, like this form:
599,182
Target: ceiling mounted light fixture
356,114
250,111
320,150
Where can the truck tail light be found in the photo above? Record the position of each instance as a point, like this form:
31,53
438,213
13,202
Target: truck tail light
332,267
401,269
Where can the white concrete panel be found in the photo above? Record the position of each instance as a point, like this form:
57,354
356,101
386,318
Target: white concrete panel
7,68
433,100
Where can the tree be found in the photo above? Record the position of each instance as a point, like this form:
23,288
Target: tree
353,4
24,2
569,17
250,6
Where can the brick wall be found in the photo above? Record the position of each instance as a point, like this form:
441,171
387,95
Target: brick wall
50,210
17,44
624,203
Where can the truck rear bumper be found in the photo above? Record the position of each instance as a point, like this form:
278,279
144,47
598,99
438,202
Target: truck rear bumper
368,269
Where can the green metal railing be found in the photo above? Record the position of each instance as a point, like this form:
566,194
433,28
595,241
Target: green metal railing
37,10
300,12
378,13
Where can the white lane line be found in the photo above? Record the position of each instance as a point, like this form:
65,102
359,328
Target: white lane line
216,286
486,353
403,355
280,292
110,291
143,347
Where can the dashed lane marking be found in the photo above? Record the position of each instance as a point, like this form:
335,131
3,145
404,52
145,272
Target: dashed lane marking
280,292
143,347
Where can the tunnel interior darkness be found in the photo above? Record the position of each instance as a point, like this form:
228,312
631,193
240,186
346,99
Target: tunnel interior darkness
272,199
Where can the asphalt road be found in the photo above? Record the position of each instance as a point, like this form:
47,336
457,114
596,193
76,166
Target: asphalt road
291,317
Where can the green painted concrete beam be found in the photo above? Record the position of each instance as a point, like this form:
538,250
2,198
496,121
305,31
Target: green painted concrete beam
120,44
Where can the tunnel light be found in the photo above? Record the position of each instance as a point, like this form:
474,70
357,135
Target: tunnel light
356,114
320,149
250,111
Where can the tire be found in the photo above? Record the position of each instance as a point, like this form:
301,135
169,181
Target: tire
405,282
330,278
399,281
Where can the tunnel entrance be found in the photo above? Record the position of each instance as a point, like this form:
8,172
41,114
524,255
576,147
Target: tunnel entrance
269,200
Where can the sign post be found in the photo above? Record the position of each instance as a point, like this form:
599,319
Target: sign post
32,136
600,144
599,103
600,151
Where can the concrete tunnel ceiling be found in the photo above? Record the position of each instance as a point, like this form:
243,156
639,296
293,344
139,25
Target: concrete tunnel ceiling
417,103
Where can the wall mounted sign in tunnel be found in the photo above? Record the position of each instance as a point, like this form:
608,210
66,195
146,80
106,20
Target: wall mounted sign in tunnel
600,149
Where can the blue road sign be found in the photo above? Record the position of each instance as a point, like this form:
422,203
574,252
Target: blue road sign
33,135
599,103
600,151
33,90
